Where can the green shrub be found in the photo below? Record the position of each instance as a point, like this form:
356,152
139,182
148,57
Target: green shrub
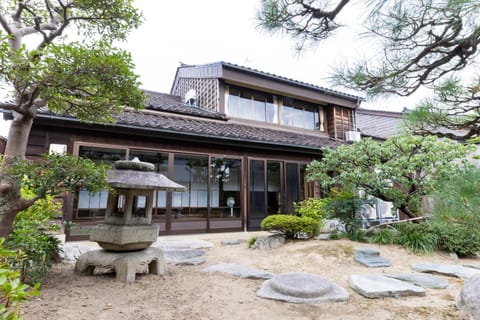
251,241
416,237
291,226
358,235
463,239
311,208
12,290
32,240
384,236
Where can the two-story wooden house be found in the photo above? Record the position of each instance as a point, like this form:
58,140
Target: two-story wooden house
239,139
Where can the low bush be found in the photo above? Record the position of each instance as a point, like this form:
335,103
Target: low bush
293,227
311,208
251,241
384,236
12,290
463,239
32,240
416,237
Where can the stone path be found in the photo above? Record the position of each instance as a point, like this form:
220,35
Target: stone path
300,287
377,286
239,271
371,258
446,269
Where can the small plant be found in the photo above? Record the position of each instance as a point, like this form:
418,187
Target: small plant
12,290
417,237
31,239
384,236
251,241
463,239
293,227
312,208
358,235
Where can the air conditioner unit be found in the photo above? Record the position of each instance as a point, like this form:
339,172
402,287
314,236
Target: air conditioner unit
352,136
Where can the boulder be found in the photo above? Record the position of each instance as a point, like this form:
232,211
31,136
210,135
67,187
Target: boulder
269,242
469,298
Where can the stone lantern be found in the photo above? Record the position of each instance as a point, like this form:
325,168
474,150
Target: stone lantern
127,231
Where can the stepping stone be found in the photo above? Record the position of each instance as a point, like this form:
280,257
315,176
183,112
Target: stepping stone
239,271
367,251
472,265
230,242
422,280
184,257
182,244
377,286
446,269
469,298
300,287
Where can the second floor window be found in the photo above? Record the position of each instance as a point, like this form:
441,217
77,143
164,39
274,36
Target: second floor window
264,107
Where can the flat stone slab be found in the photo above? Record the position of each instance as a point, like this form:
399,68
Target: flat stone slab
469,298
239,271
125,264
472,265
184,257
300,287
372,261
367,251
377,286
446,269
182,244
423,280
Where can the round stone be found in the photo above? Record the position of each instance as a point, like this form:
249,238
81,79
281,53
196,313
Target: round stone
134,165
300,285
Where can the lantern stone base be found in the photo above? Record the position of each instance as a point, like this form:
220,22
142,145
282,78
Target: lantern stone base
124,237
125,264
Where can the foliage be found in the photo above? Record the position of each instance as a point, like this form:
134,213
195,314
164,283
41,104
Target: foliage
89,79
251,241
56,173
291,226
417,44
463,239
31,239
416,237
312,208
358,235
345,204
12,290
384,236
400,170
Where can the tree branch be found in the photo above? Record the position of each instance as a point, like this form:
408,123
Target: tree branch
4,23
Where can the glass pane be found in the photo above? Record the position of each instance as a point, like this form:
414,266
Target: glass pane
232,105
159,159
225,188
287,115
257,188
192,172
298,120
273,187
259,110
245,108
272,113
309,119
292,191
100,154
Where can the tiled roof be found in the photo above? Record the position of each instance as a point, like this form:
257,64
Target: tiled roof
379,124
170,103
171,123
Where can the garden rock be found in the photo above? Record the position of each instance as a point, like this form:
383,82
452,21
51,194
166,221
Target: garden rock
269,242
469,298
230,242
377,286
446,269
371,258
423,280
239,271
182,244
71,251
184,257
300,287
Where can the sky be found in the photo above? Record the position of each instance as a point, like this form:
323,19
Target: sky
198,32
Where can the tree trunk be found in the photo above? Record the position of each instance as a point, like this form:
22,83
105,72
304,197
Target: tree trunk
10,197
407,212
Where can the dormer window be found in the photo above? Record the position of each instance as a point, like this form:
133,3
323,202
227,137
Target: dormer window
264,107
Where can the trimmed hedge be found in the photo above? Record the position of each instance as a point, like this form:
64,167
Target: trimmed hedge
293,227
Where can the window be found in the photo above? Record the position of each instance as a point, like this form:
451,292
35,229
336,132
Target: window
264,107
225,183
252,105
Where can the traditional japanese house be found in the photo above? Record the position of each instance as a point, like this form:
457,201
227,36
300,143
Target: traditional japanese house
239,139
